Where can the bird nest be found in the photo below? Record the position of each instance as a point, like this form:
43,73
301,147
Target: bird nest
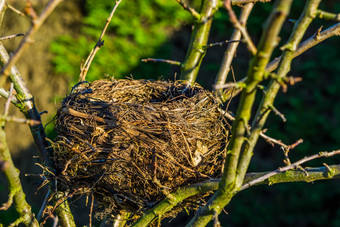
130,142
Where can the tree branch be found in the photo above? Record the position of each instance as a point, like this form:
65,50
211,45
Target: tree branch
36,24
317,38
299,175
268,100
239,2
11,36
198,42
85,67
241,27
16,194
171,62
192,11
231,50
281,175
25,101
327,15
229,186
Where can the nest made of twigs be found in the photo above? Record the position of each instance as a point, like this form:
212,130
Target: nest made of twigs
129,142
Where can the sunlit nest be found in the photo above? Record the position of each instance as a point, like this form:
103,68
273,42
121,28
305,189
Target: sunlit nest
129,142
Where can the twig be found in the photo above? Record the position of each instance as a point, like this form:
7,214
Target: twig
42,208
278,113
9,99
327,15
11,36
171,62
269,139
19,120
231,49
273,141
317,38
216,221
91,210
241,27
222,43
14,9
36,24
5,94
189,9
292,166
239,84
307,44
85,67
239,2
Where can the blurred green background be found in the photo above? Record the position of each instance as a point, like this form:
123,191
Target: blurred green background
161,29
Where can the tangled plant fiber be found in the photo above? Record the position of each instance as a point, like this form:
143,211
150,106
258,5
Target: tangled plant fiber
130,142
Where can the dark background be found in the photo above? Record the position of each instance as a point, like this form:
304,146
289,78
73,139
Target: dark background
161,29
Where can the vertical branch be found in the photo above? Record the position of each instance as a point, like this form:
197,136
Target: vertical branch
85,68
16,194
27,107
3,7
254,77
265,107
231,49
199,39
228,187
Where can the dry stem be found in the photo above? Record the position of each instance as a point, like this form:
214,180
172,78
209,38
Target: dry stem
85,67
241,27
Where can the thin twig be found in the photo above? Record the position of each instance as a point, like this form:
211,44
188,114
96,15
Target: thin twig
231,49
239,2
14,9
11,36
91,209
222,43
192,11
85,67
9,99
42,208
5,94
292,166
171,62
317,38
278,113
238,84
36,24
237,24
273,141
19,120
327,15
